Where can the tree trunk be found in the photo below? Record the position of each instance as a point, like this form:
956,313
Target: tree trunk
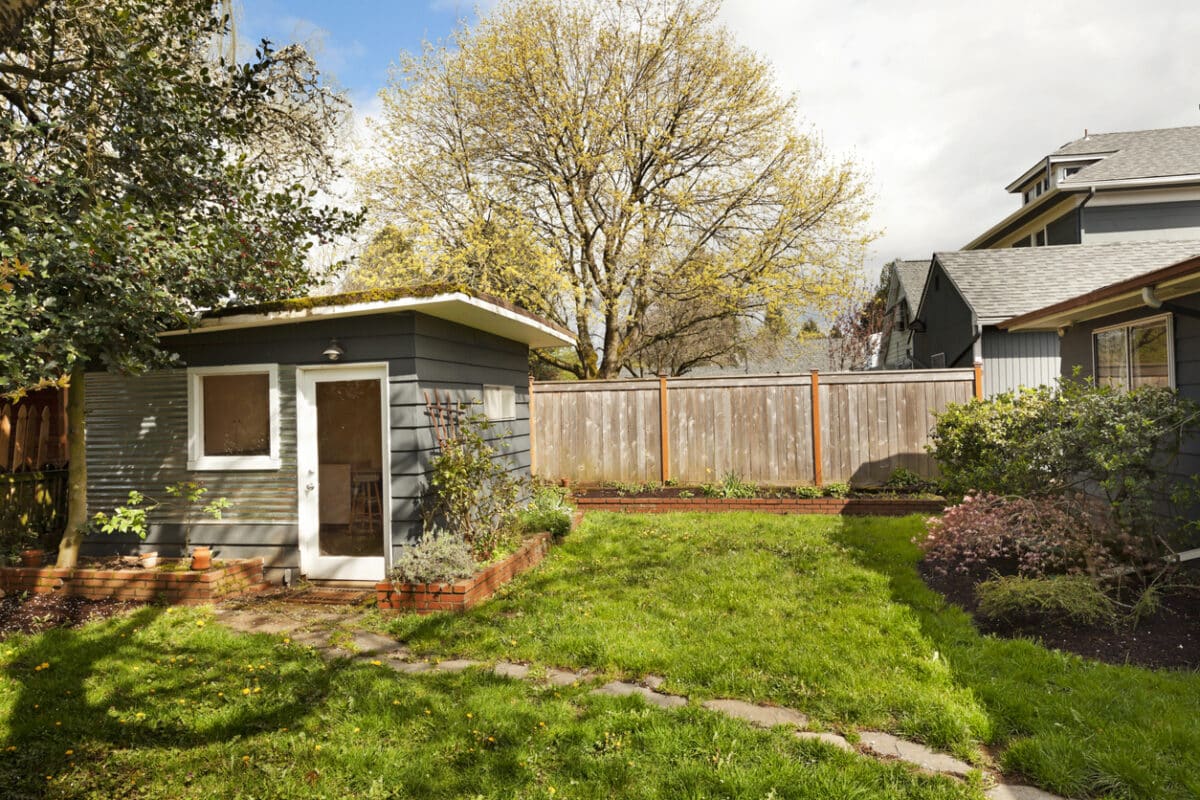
77,513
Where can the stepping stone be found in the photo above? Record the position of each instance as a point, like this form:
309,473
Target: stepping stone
828,738
318,639
562,677
507,670
456,665
367,643
1011,792
411,667
762,716
622,689
884,744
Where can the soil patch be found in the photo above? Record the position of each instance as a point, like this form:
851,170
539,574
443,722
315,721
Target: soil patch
1168,639
39,612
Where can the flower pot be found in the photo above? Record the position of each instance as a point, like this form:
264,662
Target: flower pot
201,558
148,560
32,557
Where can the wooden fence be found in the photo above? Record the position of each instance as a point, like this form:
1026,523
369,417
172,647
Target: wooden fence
33,460
855,427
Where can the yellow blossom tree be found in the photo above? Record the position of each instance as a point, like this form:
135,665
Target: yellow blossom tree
609,164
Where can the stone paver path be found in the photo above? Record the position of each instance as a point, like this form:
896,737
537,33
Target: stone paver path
313,630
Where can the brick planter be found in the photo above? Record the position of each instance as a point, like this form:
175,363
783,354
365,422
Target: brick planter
849,506
424,598
177,588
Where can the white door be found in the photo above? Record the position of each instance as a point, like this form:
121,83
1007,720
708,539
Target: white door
342,460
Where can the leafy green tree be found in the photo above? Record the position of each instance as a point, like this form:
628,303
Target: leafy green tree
142,180
626,169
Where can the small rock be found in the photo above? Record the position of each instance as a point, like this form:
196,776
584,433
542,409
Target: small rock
622,689
884,744
828,738
562,677
762,716
654,682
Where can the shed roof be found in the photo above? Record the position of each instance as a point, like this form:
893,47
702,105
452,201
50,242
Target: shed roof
455,304
1002,284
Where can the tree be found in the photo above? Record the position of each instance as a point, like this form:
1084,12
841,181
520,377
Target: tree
142,181
607,164
859,327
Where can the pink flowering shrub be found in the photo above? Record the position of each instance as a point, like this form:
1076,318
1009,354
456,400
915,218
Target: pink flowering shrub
1054,535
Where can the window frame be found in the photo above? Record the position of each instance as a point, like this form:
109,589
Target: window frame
198,461
1141,322
507,391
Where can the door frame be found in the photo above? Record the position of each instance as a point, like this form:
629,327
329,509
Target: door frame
312,563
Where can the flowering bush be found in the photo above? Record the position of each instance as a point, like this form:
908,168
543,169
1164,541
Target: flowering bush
1063,534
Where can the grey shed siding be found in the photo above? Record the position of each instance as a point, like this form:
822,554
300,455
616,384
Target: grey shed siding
949,324
1141,222
137,426
1077,352
1013,360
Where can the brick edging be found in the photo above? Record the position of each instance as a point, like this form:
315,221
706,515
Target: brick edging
176,588
425,598
848,506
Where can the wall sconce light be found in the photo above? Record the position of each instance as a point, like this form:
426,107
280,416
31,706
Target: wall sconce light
334,352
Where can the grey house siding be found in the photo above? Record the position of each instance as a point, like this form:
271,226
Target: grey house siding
137,439
138,426
1077,352
1064,230
949,324
1013,360
1142,222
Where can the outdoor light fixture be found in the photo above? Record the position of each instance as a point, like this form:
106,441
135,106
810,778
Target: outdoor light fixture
334,352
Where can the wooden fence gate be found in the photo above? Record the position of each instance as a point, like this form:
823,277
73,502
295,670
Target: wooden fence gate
855,427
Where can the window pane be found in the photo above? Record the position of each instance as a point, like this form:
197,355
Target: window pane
237,415
1112,360
1149,354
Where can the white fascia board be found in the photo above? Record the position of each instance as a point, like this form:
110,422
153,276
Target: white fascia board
1161,180
453,307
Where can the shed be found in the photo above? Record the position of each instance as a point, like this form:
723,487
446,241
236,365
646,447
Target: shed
310,416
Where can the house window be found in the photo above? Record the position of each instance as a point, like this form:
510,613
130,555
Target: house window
1136,354
233,417
500,402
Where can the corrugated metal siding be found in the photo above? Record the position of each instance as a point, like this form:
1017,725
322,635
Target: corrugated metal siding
137,439
1013,360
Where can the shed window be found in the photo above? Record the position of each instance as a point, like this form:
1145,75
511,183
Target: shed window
1136,354
233,416
500,402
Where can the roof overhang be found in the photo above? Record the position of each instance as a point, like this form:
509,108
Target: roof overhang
1044,165
1047,208
457,307
1169,282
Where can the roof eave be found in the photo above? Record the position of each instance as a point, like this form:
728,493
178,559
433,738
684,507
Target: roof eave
1023,216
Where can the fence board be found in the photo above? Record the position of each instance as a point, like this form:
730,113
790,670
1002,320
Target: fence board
759,427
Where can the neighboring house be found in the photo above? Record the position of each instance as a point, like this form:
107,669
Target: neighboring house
310,416
969,293
1106,187
1142,330
905,281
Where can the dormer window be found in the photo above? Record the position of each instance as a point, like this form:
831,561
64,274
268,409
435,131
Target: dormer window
1068,172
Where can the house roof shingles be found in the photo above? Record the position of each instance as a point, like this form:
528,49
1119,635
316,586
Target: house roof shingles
1160,153
913,275
1001,284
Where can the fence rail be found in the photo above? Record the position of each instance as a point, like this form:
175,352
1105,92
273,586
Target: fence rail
771,429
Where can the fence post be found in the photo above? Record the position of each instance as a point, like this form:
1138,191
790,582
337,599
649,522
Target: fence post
818,476
664,429
978,380
532,443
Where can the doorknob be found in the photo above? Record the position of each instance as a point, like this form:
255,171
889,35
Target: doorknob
309,487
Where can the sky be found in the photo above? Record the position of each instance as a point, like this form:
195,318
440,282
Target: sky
941,103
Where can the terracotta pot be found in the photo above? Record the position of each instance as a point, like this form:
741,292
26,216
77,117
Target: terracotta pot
32,557
148,560
201,558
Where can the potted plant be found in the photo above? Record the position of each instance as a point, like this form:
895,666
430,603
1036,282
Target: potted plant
132,518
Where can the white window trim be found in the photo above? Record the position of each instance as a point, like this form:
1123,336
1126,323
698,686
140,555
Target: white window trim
1138,323
502,388
197,461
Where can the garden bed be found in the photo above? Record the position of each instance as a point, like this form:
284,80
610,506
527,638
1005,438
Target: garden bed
425,598
1169,638
675,499
166,585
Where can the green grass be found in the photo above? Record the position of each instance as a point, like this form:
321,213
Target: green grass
170,705
828,615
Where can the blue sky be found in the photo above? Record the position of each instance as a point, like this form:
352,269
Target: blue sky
940,102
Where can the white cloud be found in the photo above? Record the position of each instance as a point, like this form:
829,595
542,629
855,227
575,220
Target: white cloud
945,102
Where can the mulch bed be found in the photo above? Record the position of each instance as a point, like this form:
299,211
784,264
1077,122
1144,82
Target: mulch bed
39,612
1169,639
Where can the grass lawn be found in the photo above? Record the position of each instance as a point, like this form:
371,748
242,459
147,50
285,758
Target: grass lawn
167,704
828,615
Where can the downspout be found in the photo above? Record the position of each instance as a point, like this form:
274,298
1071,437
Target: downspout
1079,213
